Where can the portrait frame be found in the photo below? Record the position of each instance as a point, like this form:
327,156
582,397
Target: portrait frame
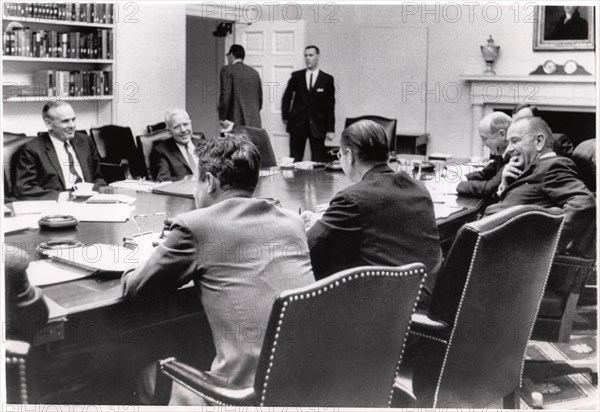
551,34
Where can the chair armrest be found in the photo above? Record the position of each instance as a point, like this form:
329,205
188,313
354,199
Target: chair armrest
209,387
423,325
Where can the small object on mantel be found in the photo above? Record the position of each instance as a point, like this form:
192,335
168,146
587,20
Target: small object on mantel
571,67
490,55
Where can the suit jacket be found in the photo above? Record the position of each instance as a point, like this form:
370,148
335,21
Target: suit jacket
241,97
553,182
241,253
167,162
38,173
386,219
484,183
309,113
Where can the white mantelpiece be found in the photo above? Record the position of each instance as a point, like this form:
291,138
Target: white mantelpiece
555,93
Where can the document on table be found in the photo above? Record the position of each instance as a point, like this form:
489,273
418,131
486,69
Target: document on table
18,223
96,256
95,212
47,272
138,185
111,198
33,206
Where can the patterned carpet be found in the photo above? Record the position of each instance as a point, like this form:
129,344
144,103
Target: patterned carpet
572,392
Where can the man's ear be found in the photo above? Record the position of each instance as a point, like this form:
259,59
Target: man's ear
47,122
540,142
350,155
213,183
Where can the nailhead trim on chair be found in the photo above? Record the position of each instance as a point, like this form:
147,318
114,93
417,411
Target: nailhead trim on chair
475,250
322,290
411,272
541,298
20,362
422,335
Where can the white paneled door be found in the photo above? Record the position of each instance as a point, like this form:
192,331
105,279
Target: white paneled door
275,49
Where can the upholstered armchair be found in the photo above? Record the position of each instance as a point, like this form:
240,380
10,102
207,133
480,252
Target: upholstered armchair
361,317
468,350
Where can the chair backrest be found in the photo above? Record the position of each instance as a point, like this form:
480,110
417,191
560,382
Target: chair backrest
388,124
261,139
489,291
339,341
146,142
17,378
156,127
116,143
12,143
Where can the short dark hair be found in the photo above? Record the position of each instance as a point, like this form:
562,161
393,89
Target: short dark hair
233,159
536,125
51,105
312,46
367,139
237,51
534,110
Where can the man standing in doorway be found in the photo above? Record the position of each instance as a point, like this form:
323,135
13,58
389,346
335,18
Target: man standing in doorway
308,108
240,99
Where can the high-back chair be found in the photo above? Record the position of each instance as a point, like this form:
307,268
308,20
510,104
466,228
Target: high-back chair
12,142
117,151
17,378
260,138
337,342
156,127
388,124
145,144
472,343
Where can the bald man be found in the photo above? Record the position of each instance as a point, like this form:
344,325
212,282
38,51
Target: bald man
484,183
535,175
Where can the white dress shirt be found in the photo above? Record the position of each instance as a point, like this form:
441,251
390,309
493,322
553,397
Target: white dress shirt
63,160
315,74
189,148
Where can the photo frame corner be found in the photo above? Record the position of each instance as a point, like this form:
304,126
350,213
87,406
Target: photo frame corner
541,26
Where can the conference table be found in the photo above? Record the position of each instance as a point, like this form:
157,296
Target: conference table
91,311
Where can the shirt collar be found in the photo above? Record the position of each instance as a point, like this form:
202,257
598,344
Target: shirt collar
57,142
547,155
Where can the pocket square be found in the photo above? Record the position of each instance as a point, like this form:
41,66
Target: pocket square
320,90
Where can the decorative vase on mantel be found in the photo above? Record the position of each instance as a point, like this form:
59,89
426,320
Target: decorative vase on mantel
490,55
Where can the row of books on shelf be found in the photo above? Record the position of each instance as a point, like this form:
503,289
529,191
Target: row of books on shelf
81,12
25,42
63,83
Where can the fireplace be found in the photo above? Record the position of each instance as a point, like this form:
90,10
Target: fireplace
567,103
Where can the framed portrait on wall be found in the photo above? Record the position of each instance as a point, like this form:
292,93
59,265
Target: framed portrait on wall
564,28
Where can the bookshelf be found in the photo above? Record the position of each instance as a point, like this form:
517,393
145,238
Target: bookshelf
59,51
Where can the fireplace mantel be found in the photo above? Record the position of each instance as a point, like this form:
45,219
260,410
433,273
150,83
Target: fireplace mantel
555,93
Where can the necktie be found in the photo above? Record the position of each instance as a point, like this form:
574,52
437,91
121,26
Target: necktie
310,82
72,170
190,159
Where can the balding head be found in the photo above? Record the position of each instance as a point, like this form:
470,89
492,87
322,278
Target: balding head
492,130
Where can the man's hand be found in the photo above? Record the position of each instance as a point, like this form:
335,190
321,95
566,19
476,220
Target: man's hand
510,172
165,232
330,136
310,218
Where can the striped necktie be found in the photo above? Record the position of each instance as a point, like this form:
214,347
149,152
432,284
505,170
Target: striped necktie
72,169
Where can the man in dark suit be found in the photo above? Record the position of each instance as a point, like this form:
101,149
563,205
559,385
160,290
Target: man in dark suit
484,183
308,108
174,159
240,99
210,245
56,160
385,218
536,175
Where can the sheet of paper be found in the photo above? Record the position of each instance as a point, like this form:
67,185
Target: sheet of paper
111,198
33,206
90,212
268,172
18,223
442,210
138,185
48,272
97,256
